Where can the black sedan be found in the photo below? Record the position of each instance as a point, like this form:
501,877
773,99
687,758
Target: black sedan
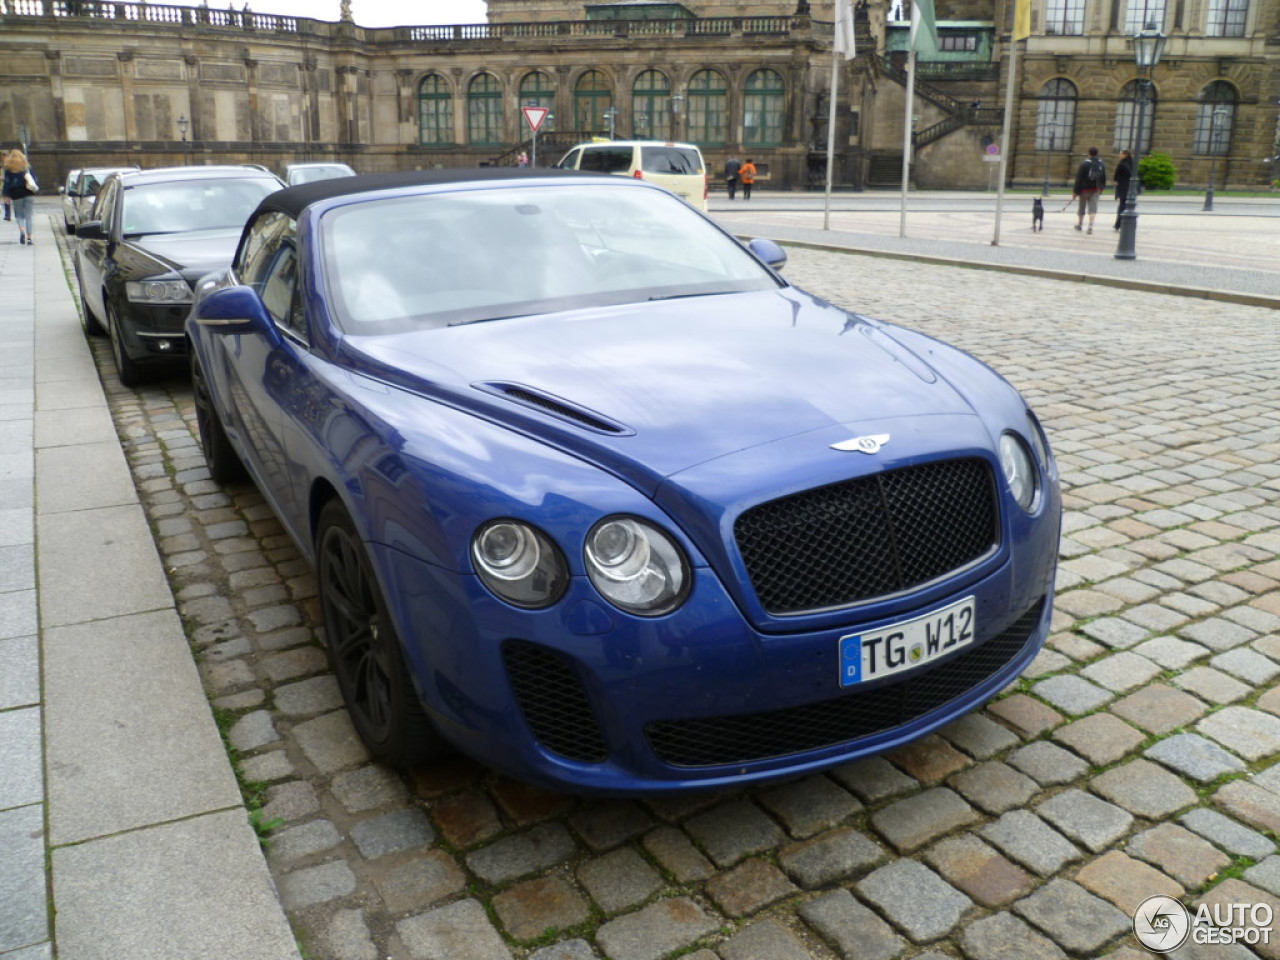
154,234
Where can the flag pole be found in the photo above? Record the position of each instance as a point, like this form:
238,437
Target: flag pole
907,131
1021,30
831,134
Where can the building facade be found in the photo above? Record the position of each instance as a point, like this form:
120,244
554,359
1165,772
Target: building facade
107,82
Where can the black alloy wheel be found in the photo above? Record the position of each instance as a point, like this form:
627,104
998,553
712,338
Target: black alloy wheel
128,369
365,649
225,465
89,321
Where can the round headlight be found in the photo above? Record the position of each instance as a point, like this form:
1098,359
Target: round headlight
636,566
519,563
1019,470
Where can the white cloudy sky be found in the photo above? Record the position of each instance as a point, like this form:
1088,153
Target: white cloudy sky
378,13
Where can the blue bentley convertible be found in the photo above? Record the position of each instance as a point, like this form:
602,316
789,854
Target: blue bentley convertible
598,498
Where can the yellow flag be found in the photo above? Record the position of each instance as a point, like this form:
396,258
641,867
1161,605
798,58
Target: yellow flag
1021,19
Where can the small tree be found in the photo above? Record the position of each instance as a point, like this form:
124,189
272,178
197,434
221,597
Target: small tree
1157,172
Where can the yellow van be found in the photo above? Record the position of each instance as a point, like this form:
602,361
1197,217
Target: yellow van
676,166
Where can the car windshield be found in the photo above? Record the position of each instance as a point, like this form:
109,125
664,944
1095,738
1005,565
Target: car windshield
181,206
299,175
436,260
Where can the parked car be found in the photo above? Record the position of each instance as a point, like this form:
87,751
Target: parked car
677,166
80,191
296,173
154,233
68,199
596,496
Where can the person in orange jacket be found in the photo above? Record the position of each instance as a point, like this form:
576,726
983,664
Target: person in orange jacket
747,175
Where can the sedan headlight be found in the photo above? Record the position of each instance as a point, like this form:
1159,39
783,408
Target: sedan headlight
1019,470
159,292
519,563
636,566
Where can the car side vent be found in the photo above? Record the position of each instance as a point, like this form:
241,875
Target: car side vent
556,407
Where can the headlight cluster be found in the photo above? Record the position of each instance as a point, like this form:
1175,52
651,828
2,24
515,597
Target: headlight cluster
158,291
634,565
1020,468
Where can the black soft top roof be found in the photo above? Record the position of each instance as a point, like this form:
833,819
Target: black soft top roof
293,200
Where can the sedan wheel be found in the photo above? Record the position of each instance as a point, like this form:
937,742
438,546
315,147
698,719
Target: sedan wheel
225,465
130,372
88,320
365,649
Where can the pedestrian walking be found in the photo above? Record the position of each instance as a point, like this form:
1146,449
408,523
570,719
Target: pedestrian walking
20,187
522,159
731,168
1123,176
1091,178
747,174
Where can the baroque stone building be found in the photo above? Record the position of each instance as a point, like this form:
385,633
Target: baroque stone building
86,82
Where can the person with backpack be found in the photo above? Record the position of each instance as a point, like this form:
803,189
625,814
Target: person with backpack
1091,178
747,174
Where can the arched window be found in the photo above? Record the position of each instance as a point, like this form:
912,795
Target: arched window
484,111
1226,18
592,96
1139,13
435,111
1056,115
651,106
762,109
708,113
1064,18
1215,119
1137,106
538,90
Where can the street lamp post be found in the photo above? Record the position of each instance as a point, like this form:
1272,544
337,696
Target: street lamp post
183,122
1147,48
1053,126
610,115
1214,135
642,124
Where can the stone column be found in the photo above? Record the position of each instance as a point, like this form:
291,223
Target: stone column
125,60
251,88
198,131
406,107
55,90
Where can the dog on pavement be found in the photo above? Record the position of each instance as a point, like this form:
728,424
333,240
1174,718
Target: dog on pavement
1037,215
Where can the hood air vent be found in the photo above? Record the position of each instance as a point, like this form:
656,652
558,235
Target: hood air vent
556,407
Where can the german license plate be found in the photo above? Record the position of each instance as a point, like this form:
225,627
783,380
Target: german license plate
906,645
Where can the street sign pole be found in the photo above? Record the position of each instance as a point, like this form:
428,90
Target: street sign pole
534,116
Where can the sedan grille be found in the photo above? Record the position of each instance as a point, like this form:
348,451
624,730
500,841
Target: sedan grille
553,701
870,536
713,741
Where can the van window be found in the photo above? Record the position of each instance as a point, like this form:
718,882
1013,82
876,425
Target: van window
663,159
607,159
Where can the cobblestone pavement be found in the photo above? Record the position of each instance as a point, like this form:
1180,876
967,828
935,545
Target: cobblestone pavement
1136,757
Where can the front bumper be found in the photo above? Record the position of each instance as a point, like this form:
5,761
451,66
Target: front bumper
583,698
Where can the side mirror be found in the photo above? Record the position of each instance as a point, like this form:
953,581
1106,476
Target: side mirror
236,309
91,230
769,252
63,190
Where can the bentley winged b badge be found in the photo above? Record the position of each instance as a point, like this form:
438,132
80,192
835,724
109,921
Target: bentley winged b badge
869,444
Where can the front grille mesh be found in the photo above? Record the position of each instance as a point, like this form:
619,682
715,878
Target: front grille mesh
868,537
713,741
554,703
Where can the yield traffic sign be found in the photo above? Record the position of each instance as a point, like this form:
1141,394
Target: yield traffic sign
534,116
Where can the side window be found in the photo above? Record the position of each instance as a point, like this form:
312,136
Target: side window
607,159
103,208
280,288
570,160
254,257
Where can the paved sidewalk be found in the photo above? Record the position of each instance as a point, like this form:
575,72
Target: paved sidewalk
1138,755
122,830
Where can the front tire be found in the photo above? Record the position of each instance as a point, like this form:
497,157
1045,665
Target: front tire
365,649
89,322
129,370
225,465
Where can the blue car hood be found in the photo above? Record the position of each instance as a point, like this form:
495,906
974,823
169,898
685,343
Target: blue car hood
681,381
192,254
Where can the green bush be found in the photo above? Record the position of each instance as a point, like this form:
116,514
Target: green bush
1157,172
